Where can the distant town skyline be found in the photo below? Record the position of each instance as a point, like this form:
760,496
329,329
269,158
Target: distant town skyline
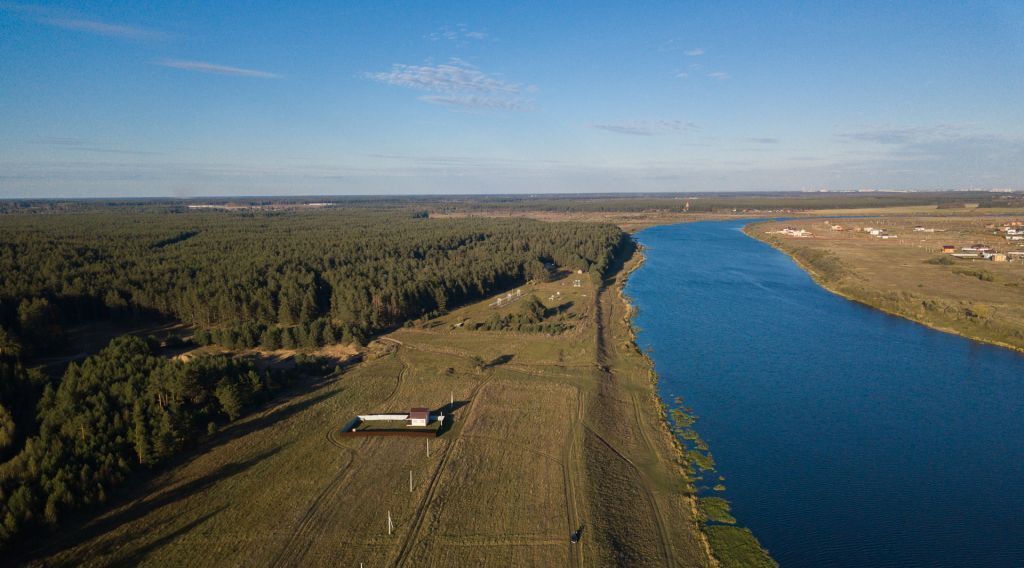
418,98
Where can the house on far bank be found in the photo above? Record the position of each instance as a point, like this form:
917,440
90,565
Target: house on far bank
793,232
978,248
419,416
948,249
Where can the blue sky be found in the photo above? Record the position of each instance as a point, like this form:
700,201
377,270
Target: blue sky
224,98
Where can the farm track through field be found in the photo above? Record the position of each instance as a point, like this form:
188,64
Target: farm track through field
301,539
606,383
659,519
523,369
398,382
573,471
298,544
638,417
516,445
421,510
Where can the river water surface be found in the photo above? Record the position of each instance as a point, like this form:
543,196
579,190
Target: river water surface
847,437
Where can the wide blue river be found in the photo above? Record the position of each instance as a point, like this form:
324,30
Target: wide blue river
847,437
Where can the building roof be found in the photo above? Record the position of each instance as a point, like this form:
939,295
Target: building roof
419,412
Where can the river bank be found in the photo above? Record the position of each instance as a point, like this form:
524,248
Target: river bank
847,437
964,316
726,544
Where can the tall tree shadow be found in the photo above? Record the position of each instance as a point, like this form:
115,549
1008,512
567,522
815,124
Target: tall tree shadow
501,360
283,411
141,507
143,552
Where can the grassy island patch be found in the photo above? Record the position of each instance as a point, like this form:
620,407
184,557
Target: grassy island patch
738,547
717,510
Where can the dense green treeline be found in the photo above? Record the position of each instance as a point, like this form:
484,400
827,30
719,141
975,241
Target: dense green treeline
118,412
705,203
276,279
268,278
699,202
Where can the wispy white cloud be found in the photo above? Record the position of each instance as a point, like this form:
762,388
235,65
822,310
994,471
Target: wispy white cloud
457,76
682,75
83,145
459,83
697,51
904,134
763,140
477,102
458,33
940,146
204,67
103,28
51,17
719,75
646,127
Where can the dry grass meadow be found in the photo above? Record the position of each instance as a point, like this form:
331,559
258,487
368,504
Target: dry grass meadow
552,433
977,298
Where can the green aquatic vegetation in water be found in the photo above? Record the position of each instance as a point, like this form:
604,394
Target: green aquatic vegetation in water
689,434
703,461
682,419
738,547
716,510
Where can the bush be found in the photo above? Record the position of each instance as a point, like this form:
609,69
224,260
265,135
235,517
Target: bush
980,274
824,262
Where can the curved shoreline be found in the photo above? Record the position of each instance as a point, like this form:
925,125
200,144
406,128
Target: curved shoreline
661,407
821,281
620,289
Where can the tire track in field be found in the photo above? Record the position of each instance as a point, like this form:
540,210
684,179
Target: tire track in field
301,536
288,555
421,510
637,415
659,520
603,318
571,468
332,434
401,375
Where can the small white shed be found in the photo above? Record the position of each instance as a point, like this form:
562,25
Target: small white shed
419,417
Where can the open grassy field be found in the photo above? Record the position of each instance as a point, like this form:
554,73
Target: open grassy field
909,276
552,433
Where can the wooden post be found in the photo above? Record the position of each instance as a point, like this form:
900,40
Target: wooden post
410,481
